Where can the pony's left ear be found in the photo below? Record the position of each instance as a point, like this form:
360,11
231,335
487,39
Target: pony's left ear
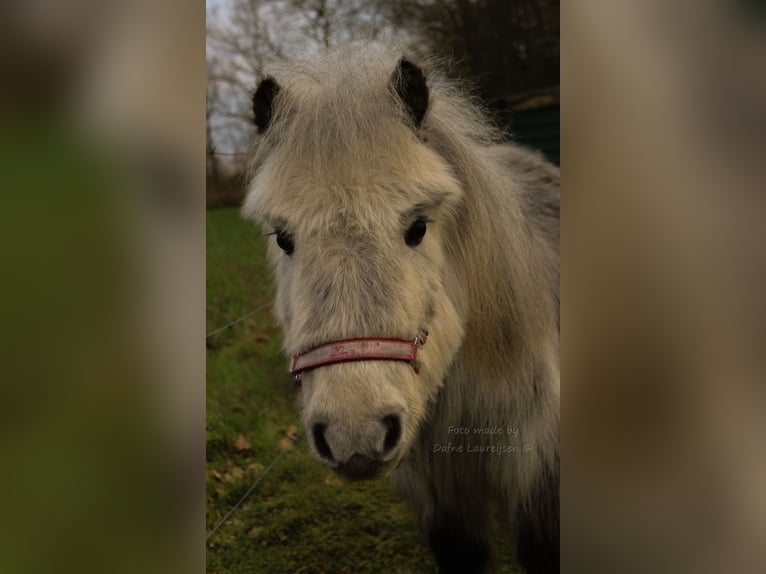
263,103
409,83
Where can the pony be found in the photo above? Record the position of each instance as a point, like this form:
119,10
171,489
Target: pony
416,262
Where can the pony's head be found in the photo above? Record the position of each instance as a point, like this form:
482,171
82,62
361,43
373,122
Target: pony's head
359,210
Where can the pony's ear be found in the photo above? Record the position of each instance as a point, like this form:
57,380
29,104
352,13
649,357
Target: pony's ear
263,103
410,85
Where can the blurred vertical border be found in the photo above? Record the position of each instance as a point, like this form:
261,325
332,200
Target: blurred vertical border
663,395
102,374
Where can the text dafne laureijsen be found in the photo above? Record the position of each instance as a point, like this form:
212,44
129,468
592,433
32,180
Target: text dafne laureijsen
511,430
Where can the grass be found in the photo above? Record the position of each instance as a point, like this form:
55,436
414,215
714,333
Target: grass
300,518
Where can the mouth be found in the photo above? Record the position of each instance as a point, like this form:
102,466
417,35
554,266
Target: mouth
360,467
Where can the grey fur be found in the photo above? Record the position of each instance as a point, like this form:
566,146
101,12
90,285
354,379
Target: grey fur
338,167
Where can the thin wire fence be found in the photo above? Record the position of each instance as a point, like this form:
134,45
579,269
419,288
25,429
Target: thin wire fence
273,462
239,320
252,488
214,151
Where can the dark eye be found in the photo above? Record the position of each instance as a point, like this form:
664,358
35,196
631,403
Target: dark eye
415,233
285,241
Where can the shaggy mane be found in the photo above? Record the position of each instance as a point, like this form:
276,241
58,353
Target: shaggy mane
500,243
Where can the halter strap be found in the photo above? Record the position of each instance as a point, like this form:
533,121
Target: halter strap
360,349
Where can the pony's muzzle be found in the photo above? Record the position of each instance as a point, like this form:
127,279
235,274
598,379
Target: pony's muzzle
358,456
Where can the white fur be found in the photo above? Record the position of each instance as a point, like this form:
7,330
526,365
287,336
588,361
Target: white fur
338,168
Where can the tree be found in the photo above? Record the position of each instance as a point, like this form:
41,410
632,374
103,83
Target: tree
249,35
505,46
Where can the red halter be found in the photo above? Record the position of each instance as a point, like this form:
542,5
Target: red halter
361,349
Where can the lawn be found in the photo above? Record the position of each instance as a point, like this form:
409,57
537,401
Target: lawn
300,518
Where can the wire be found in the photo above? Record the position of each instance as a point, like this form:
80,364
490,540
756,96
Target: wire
252,488
242,318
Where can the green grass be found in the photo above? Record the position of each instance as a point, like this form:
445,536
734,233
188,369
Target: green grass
300,518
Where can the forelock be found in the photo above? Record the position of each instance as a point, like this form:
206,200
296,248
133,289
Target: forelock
339,107
339,121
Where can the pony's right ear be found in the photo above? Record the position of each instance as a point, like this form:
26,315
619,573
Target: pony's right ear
263,103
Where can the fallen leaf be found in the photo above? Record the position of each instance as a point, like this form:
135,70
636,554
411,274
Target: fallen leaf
284,444
241,443
333,481
216,474
290,436
233,475
255,532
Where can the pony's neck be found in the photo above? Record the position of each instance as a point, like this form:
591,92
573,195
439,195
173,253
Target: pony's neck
506,309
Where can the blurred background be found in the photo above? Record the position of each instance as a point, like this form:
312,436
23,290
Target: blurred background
102,294
506,53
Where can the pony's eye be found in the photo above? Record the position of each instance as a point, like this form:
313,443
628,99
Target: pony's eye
285,241
415,233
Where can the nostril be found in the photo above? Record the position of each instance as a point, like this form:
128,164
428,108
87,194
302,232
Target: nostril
393,431
320,442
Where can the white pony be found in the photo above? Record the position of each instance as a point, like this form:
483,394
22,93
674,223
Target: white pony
417,271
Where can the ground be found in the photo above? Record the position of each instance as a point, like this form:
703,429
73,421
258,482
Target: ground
300,518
